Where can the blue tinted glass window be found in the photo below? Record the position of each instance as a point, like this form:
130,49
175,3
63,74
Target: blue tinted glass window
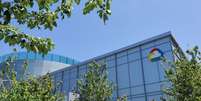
154,97
48,57
110,63
72,84
110,57
123,76
112,75
136,75
22,55
164,40
133,50
138,90
62,59
114,94
124,92
39,57
66,81
148,45
139,99
122,54
1,59
133,56
101,62
153,87
151,71
56,58
4,58
70,61
58,81
163,65
169,56
121,60
31,55
73,73
164,47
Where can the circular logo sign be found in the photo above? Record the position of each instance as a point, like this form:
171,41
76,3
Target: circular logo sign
155,55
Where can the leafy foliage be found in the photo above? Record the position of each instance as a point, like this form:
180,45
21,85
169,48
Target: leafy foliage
41,14
95,85
13,37
29,89
185,78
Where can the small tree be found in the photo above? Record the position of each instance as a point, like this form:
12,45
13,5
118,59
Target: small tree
185,78
95,85
29,89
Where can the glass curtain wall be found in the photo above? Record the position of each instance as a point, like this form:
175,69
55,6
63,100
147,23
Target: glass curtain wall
130,70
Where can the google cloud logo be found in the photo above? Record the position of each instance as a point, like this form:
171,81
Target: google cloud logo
155,55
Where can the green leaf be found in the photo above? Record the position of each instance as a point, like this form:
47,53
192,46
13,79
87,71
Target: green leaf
89,7
99,2
108,3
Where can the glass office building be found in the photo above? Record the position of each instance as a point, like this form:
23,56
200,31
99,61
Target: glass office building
129,68
37,64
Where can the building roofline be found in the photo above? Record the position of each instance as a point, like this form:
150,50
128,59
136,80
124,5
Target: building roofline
160,36
163,35
49,57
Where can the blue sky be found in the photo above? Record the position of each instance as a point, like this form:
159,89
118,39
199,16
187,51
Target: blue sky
84,37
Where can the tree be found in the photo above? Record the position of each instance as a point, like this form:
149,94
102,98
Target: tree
185,78
95,86
36,14
29,89
41,14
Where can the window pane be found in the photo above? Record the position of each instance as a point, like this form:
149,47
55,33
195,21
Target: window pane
122,54
110,63
133,50
121,60
66,80
149,45
155,98
82,70
73,73
48,57
164,47
58,81
112,75
164,40
139,99
72,84
136,73
110,58
124,92
137,90
123,79
163,66
133,56
62,59
114,94
39,57
153,87
22,55
169,56
31,55
56,58
150,71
